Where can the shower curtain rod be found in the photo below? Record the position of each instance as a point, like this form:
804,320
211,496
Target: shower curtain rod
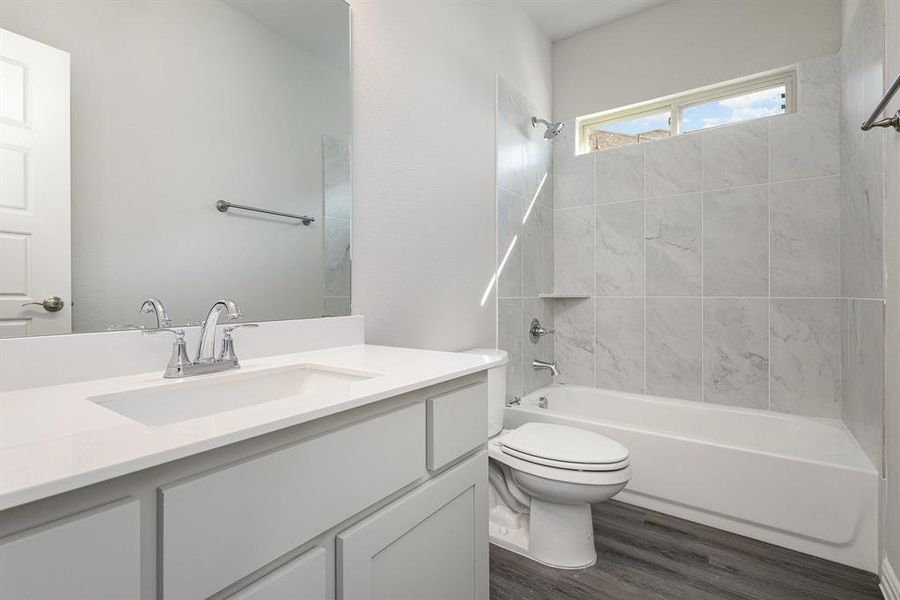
893,121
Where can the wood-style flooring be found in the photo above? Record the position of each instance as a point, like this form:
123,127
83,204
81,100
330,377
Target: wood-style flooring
645,555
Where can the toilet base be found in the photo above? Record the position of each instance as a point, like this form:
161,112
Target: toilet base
562,535
556,535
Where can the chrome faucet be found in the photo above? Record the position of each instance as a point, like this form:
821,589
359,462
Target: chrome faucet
206,350
151,305
539,365
155,306
536,331
207,361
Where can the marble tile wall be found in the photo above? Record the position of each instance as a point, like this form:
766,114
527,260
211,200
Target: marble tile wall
525,247
336,177
862,255
710,262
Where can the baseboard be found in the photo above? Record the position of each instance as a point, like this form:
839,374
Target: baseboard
890,585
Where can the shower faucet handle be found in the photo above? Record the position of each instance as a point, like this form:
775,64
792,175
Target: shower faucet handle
536,331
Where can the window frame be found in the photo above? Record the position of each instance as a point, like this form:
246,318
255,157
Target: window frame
676,103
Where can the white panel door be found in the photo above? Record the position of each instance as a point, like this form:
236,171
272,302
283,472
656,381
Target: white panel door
431,544
35,238
93,555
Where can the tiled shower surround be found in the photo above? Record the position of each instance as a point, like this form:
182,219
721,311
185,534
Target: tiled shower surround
336,177
862,230
711,261
524,238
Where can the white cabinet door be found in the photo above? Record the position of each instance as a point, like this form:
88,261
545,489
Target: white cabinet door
35,248
94,555
430,544
304,578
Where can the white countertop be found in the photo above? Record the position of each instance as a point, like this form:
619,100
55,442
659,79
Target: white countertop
54,439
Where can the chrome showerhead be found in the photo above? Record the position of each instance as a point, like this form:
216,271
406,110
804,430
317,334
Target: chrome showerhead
553,129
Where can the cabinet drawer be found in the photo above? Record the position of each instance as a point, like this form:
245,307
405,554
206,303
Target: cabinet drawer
304,578
456,423
219,527
93,555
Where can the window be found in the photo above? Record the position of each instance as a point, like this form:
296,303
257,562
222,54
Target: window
750,98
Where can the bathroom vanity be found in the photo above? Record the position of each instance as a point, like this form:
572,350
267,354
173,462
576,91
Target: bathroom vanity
315,466
372,486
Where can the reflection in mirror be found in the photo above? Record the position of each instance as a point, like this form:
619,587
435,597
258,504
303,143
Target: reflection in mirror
123,123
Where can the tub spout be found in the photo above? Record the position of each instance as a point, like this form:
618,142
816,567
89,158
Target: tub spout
538,365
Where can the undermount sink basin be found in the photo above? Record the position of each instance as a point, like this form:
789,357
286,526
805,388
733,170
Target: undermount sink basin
172,402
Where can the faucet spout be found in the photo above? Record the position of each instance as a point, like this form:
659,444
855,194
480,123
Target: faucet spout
155,306
206,351
539,365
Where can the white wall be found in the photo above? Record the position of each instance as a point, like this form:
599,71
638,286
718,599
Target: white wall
424,233
892,259
176,105
683,44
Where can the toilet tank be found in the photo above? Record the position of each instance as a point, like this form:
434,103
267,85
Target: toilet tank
496,382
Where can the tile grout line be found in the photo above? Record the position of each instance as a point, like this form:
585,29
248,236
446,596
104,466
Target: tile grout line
646,291
711,191
594,275
713,297
702,277
769,301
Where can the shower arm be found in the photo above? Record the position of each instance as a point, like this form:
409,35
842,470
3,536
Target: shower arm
893,121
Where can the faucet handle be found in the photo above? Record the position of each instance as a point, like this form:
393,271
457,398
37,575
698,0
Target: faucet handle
178,333
228,354
536,330
124,327
179,360
227,331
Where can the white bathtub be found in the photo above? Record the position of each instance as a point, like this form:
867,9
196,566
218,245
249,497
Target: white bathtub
797,482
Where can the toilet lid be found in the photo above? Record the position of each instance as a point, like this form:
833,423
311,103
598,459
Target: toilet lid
563,446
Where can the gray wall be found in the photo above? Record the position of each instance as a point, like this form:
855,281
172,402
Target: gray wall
176,105
524,238
711,260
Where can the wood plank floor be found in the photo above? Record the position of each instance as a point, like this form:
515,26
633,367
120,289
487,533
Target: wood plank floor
645,555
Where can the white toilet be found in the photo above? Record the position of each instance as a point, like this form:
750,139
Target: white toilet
543,479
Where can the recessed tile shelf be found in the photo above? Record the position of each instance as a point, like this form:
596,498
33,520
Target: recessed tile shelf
563,296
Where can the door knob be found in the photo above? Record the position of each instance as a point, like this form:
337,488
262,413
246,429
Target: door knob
51,304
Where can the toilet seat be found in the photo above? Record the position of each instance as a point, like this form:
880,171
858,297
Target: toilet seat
561,453
598,478
560,464
564,447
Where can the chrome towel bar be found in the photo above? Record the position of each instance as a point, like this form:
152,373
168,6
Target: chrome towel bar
893,121
223,206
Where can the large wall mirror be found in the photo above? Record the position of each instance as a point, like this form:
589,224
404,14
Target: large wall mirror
126,126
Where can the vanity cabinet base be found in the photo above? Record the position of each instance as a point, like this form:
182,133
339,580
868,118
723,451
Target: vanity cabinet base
304,512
